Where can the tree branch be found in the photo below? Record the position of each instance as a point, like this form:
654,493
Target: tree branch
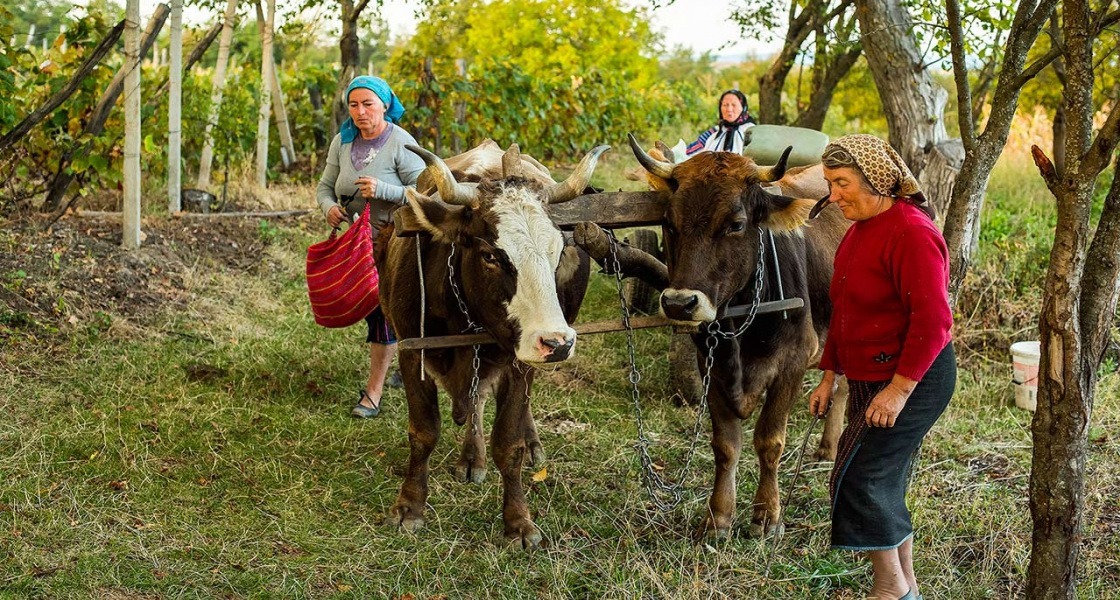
37,115
960,75
1102,273
1099,153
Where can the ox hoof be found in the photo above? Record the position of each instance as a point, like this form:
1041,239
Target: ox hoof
761,530
711,532
825,455
535,456
405,519
524,537
468,473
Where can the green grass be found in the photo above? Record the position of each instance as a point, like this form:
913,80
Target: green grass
210,455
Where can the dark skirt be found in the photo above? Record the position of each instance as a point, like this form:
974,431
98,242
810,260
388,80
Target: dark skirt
868,483
379,330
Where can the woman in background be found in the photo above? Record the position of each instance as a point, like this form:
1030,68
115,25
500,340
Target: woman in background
729,134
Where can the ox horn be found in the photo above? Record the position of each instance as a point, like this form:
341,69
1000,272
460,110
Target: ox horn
576,182
776,172
450,191
511,161
662,169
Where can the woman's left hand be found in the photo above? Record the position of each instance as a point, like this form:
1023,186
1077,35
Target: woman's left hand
367,186
887,404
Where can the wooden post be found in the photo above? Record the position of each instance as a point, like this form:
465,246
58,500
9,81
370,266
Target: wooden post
130,239
460,110
266,97
287,146
430,100
217,88
175,110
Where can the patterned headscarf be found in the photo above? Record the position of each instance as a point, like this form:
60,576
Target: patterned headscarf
882,166
377,85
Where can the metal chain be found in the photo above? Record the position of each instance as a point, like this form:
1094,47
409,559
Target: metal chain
713,328
656,486
472,327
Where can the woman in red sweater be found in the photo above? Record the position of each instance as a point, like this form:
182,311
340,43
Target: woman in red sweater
890,336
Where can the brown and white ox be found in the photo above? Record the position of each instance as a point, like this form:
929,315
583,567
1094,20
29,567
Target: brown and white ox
716,211
518,280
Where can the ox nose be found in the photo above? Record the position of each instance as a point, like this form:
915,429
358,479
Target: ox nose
680,306
555,348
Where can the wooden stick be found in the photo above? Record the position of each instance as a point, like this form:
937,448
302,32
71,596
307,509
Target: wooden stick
186,215
471,339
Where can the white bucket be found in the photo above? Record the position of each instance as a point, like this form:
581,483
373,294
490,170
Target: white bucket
1024,366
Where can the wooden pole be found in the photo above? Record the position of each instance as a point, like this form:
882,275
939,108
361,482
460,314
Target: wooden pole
265,113
175,110
131,211
287,146
460,110
218,86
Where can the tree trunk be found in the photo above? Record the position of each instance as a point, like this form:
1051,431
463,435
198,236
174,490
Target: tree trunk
1077,298
913,102
265,114
217,88
130,238
349,53
825,87
962,221
287,146
96,123
175,110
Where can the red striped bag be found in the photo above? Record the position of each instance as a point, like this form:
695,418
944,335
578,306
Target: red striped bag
342,278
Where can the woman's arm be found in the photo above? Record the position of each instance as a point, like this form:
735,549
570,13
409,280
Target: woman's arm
698,145
408,168
324,192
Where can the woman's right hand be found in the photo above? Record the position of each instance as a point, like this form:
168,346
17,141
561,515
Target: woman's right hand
335,216
820,400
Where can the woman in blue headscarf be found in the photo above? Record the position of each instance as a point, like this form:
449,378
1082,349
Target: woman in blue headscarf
368,163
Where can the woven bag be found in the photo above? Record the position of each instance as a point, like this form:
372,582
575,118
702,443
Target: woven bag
342,278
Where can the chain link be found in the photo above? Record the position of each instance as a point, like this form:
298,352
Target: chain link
665,495
656,486
476,362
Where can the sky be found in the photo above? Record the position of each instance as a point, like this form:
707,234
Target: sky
697,24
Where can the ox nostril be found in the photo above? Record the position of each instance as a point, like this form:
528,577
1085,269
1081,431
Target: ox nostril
691,302
551,342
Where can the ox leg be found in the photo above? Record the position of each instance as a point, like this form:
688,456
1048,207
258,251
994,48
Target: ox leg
769,441
471,466
423,434
535,456
834,423
509,450
727,445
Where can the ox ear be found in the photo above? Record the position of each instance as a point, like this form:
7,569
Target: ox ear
442,221
784,214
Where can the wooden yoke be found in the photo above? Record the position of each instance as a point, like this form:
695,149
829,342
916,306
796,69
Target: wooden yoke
611,210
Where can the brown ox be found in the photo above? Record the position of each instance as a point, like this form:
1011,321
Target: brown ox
516,278
716,211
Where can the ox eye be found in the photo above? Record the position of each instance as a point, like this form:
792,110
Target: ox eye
736,226
490,258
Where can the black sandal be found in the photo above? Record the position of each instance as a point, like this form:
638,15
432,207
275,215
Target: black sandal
362,411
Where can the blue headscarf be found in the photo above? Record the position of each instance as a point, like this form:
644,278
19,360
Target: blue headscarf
379,86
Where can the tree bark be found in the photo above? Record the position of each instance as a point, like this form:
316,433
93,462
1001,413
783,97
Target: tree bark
913,102
265,113
962,219
1078,304
30,121
218,86
96,123
349,55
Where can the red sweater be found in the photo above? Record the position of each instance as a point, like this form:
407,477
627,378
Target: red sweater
890,299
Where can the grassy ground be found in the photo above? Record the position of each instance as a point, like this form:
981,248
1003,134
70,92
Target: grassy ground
207,452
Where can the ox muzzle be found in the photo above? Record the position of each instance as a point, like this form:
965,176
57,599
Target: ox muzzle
687,306
555,346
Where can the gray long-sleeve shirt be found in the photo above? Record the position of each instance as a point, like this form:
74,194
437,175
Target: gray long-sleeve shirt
394,167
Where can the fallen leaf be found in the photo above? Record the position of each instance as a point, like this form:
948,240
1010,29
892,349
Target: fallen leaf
541,475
